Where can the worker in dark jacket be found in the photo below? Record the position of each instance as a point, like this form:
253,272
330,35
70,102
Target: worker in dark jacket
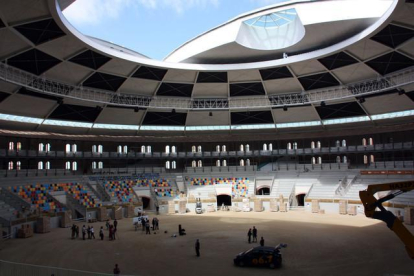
197,248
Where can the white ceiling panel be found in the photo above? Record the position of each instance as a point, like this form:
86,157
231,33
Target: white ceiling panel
367,49
174,75
118,67
282,86
295,114
63,47
27,106
19,11
354,73
244,75
8,87
307,67
68,72
388,103
139,86
202,118
11,43
201,90
120,116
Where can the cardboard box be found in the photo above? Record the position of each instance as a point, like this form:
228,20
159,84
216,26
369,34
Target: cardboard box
43,225
182,207
273,205
117,212
25,232
65,219
171,207
130,211
102,214
258,205
409,215
315,206
352,210
343,207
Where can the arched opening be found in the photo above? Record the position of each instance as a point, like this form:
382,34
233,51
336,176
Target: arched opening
344,143
11,146
41,147
173,149
289,146
338,144
167,149
223,199
247,147
218,163
364,142
295,145
318,144
143,149
145,202
371,141
94,148
119,149
193,149
270,147
312,145
301,199
241,148
125,149
199,149
224,163
263,191
193,164
264,147
48,147
223,148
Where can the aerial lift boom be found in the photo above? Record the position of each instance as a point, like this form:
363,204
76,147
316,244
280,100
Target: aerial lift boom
371,204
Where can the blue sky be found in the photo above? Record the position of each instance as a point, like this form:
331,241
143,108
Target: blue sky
154,27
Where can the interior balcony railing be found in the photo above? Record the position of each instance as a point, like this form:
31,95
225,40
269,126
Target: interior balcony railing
40,84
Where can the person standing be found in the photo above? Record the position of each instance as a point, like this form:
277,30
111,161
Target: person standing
76,231
89,232
83,232
157,224
197,248
117,271
147,228
92,233
115,223
101,233
262,242
249,235
254,234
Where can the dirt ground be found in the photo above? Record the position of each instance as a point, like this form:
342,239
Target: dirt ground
318,244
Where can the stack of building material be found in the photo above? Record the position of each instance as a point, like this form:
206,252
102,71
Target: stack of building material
130,211
343,207
182,209
273,205
25,232
352,210
117,212
409,215
43,225
258,205
171,207
102,214
65,219
315,206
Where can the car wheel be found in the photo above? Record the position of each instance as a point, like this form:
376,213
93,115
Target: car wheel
241,263
272,266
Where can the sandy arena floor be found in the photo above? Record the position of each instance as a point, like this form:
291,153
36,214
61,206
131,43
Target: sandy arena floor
317,245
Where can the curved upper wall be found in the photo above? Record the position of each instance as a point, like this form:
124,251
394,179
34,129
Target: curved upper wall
230,29
285,28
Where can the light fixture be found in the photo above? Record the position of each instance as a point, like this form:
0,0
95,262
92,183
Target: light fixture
362,100
323,103
210,114
173,111
285,108
401,92
136,109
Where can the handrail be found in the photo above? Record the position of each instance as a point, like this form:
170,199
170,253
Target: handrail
45,86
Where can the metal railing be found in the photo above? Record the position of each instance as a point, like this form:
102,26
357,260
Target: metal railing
45,86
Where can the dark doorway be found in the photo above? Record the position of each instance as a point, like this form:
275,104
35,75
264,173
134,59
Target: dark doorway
301,199
145,202
263,191
223,199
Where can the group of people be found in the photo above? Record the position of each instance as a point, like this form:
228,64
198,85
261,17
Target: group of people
253,233
90,231
112,228
147,226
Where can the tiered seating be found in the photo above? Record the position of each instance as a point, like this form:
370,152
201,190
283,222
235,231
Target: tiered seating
36,195
201,181
165,192
122,190
80,194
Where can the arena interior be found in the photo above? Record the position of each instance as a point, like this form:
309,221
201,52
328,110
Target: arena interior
276,119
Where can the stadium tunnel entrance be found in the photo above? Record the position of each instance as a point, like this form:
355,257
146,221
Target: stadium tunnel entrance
223,199
263,191
301,199
145,202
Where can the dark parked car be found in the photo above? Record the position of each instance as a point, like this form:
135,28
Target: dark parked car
261,256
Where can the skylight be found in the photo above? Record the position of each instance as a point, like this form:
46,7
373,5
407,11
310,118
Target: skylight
273,20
